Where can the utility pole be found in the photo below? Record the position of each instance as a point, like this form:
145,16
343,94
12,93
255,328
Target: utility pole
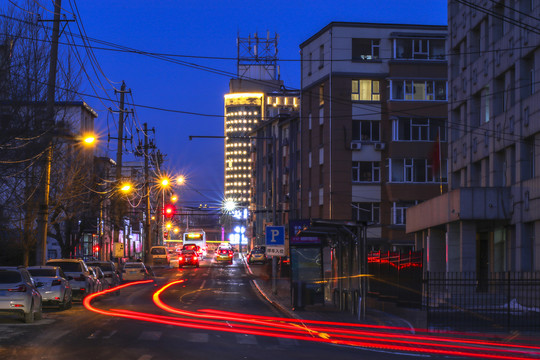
43,211
145,152
116,207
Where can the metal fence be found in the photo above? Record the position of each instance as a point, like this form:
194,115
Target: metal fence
396,277
503,301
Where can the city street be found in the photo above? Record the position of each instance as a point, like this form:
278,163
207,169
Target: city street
146,323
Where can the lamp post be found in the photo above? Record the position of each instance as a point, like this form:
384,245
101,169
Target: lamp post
43,213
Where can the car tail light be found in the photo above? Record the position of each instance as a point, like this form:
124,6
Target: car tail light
56,283
83,289
180,258
20,288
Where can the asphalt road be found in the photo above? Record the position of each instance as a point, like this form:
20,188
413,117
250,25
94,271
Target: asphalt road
177,323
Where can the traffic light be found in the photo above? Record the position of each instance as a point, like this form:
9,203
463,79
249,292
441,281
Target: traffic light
169,210
95,248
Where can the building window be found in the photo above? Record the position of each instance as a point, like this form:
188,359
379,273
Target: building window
321,95
365,90
418,90
368,211
310,63
365,49
418,129
366,130
416,171
527,163
399,212
420,49
366,171
321,56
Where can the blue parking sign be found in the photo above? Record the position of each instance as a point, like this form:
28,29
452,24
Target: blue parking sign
275,235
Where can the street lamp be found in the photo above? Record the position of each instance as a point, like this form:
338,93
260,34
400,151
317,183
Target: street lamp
43,212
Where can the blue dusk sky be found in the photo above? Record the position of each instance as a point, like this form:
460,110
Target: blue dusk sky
204,33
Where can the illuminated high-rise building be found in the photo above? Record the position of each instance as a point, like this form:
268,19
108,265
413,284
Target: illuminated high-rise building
255,95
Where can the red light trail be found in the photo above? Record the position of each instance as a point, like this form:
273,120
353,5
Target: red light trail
338,333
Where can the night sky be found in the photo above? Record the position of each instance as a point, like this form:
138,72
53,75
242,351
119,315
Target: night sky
204,34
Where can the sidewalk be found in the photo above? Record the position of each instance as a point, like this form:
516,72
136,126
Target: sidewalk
281,300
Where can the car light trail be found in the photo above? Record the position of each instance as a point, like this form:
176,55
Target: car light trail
357,335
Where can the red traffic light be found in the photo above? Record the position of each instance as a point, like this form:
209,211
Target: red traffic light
169,210
96,248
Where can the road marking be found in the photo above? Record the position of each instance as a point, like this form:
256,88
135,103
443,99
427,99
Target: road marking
246,339
202,285
111,334
94,335
150,335
287,342
197,337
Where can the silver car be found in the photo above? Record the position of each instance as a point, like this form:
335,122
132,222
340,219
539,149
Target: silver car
78,275
109,270
55,289
19,293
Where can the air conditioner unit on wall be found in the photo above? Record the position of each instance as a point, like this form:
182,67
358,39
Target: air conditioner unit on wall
380,146
356,146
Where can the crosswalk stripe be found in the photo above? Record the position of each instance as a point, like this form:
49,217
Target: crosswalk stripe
287,342
150,335
246,339
197,337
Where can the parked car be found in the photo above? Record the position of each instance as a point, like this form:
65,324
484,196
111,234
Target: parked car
188,257
55,289
78,275
101,277
19,293
97,285
256,255
224,255
109,271
134,271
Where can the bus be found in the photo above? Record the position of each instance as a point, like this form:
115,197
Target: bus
196,237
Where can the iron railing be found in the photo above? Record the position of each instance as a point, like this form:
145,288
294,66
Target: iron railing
502,301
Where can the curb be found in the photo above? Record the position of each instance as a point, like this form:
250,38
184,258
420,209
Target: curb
274,303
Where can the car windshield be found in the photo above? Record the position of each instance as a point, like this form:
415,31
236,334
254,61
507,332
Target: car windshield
102,266
67,266
42,272
258,251
133,266
188,252
158,251
10,277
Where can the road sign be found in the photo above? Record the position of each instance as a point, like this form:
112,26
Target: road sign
275,236
275,250
118,249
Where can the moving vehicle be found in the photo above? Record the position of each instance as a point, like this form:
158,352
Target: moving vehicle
19,293
78,275
224,255
160,255
188,257
54,285
198,238
256,255
109,271
134,271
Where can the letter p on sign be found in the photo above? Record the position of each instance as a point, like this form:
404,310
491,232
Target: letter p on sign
275,235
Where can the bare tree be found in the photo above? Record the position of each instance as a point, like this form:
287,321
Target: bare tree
24,61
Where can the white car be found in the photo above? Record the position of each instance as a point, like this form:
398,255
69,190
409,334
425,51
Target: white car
134,271
55,288
78,275
19,293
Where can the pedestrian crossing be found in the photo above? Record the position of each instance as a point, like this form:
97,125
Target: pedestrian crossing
196,338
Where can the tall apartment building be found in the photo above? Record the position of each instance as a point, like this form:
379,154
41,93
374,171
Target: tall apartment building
254,97
374,103
490,218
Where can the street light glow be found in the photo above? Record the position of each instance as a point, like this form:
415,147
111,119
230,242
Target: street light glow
90,139
125,187
229,205
180,180
164,182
